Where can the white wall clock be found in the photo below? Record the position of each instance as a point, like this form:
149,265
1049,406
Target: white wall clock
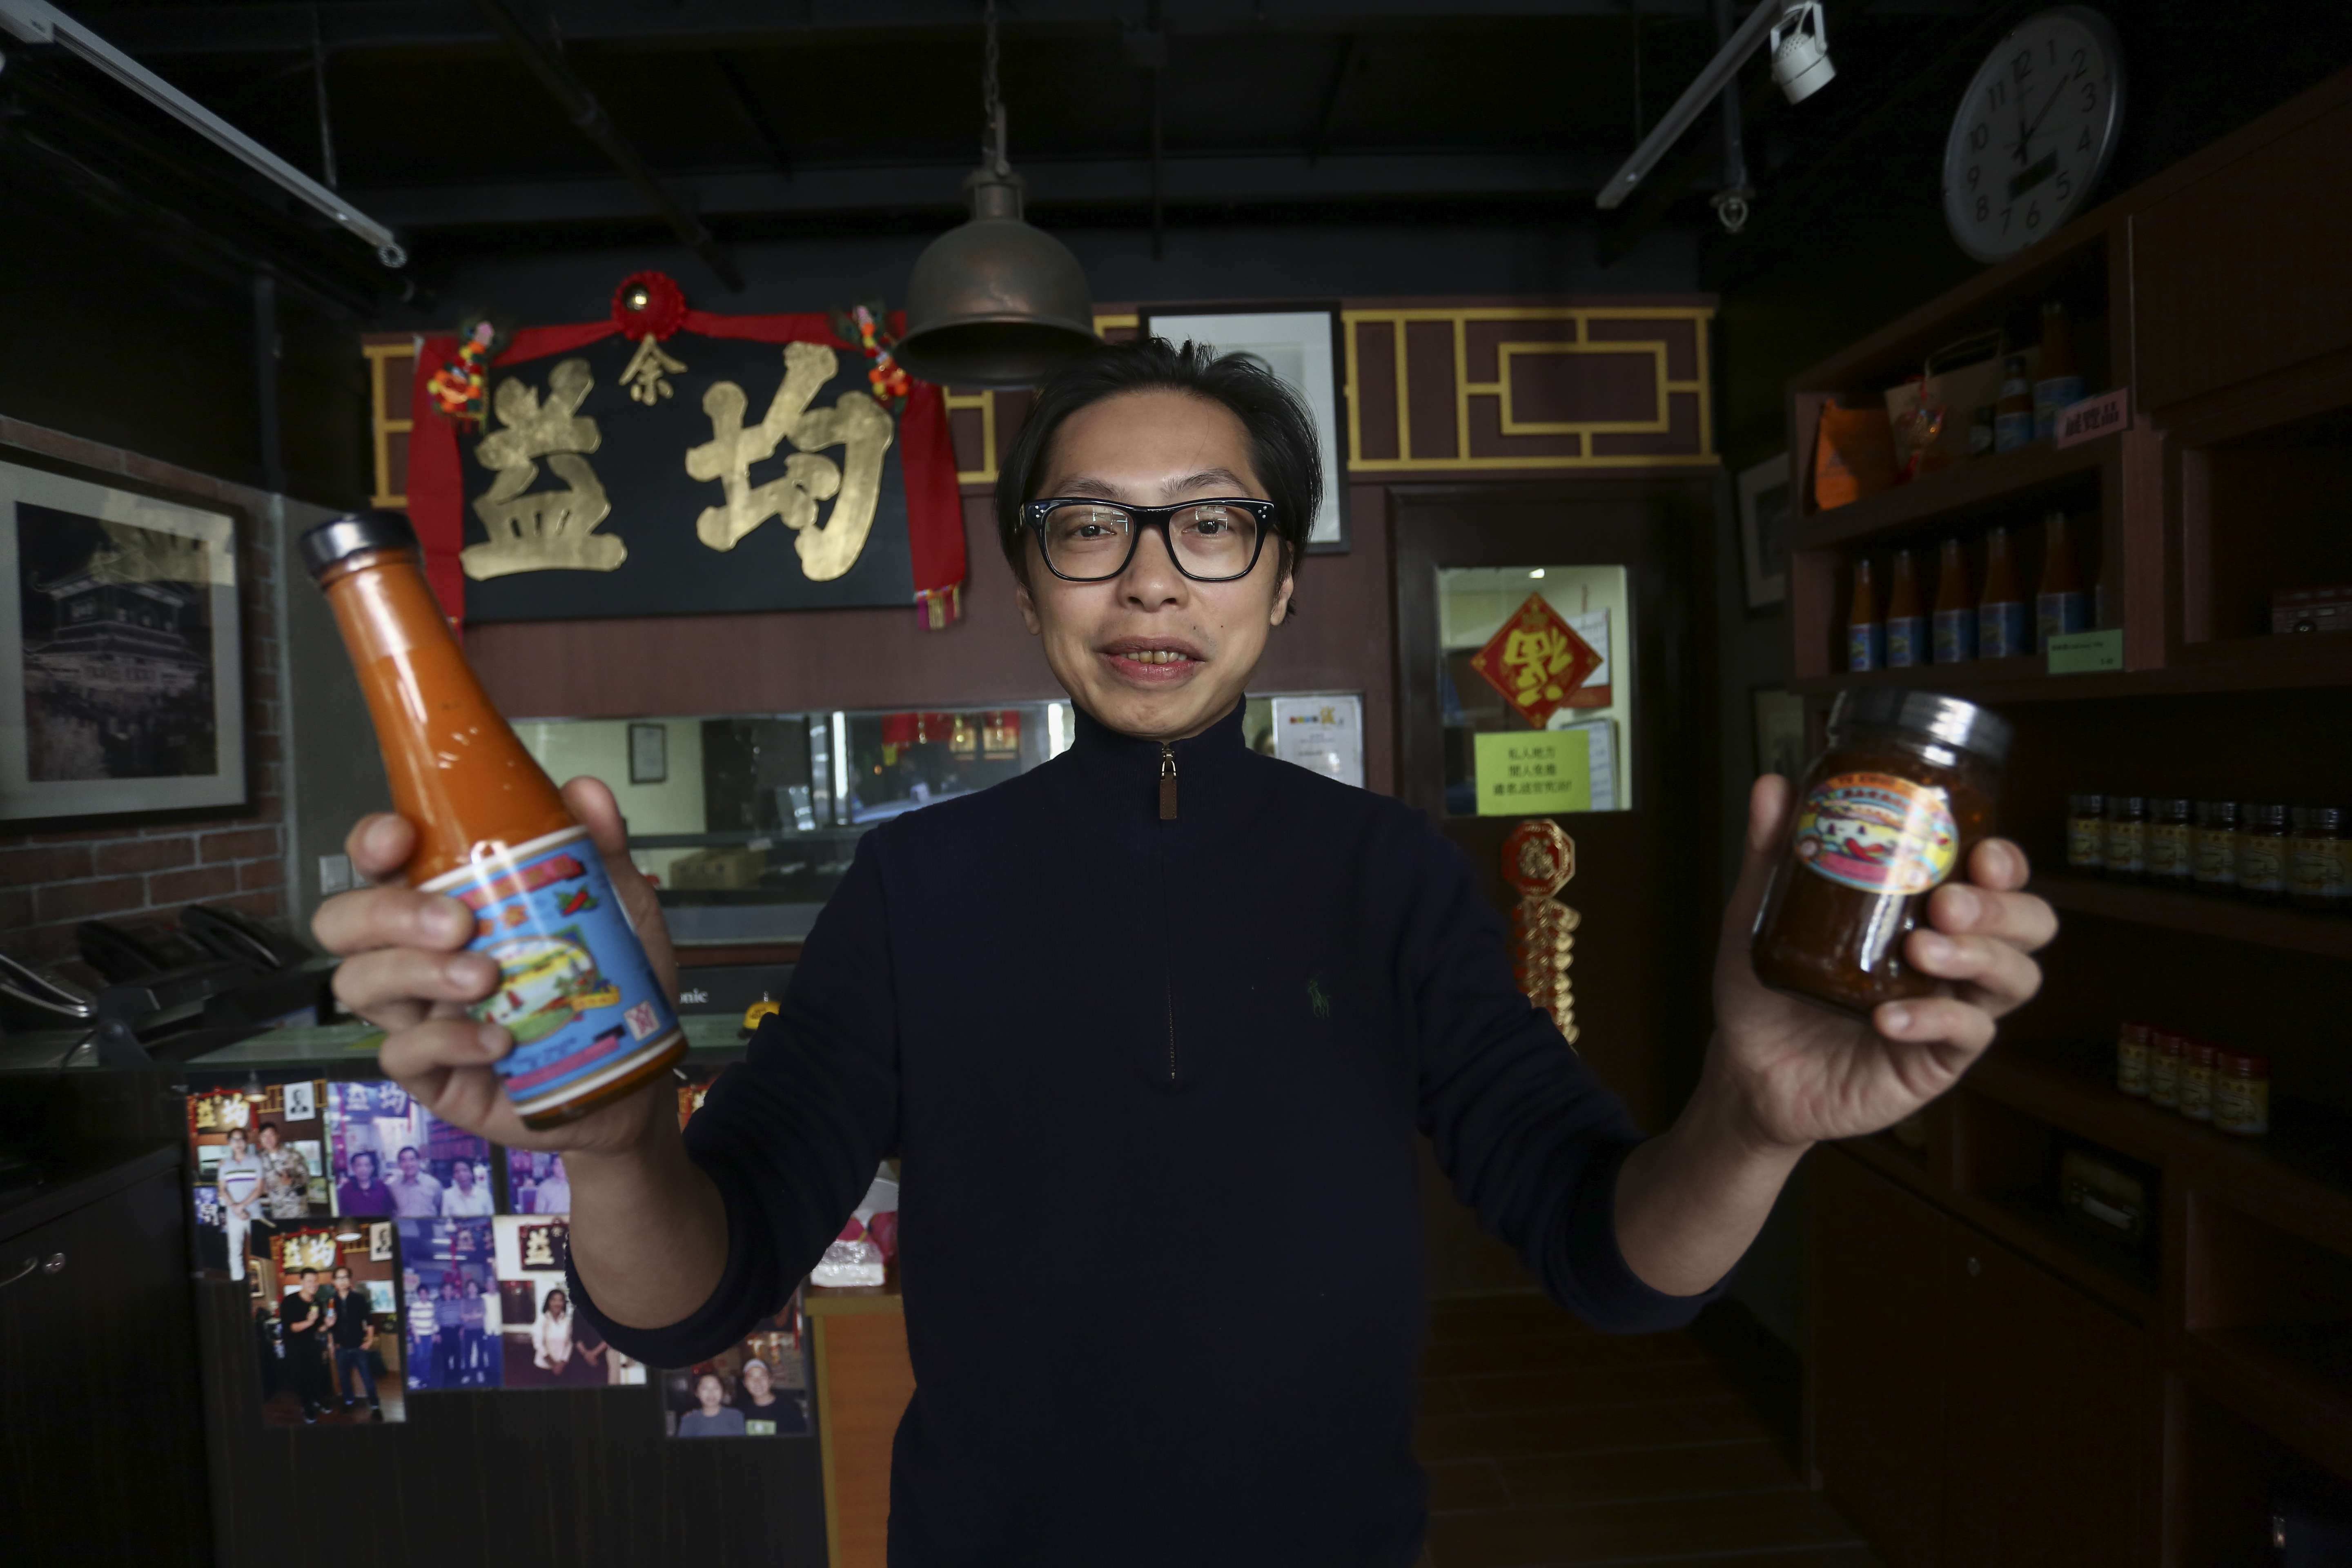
2034,132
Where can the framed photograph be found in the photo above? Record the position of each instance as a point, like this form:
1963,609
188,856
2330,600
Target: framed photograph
1779,732
121,681
1764,531
757,1388
1302,345
648,754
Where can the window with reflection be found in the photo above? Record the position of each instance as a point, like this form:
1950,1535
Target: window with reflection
1536,680
745,823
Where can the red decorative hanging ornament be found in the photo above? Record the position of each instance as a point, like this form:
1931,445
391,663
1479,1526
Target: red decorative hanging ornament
649,303
867,325
460,388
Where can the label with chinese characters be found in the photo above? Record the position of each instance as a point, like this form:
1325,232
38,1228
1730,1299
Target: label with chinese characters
1878,833
1536,661
1539,773
575,989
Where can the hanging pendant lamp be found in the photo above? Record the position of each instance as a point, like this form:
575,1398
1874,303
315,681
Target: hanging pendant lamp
995,303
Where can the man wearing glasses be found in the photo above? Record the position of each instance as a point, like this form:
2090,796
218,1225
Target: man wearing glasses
1152,1028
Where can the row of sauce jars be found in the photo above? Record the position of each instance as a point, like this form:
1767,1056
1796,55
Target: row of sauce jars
2202,1081
2260,850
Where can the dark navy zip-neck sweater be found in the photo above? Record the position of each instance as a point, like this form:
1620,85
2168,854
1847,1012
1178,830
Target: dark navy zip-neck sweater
1155,1084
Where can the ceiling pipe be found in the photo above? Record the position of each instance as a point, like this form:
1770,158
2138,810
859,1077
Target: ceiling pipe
589,117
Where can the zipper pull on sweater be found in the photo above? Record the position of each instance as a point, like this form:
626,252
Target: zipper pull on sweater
1167,781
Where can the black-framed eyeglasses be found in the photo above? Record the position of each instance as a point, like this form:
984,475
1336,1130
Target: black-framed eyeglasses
1093,541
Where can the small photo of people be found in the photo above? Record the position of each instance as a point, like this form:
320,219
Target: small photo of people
450,1293
547,1344
393,1158
758,1387
326,1332
536,1183
258,1161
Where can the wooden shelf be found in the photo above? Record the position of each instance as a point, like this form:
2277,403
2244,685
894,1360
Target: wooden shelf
2008,483
2202,914
2238,665
2294,1381
2033,1220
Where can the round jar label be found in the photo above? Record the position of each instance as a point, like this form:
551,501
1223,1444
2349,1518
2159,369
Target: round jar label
1877,833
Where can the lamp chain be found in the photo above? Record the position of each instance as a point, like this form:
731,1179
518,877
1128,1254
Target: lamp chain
992,105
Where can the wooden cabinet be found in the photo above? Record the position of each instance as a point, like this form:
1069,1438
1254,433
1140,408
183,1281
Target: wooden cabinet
102,1448
1969,1410
1880,1318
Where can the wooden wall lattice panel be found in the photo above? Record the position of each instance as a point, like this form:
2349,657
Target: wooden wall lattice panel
1455,389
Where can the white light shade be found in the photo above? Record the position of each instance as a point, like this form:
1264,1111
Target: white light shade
1801,52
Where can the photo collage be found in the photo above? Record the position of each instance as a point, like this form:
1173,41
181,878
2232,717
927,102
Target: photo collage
387,1253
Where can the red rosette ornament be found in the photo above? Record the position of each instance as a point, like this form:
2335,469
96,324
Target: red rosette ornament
648,304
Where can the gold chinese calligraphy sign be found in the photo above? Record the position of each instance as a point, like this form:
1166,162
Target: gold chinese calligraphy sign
856,423
539,531
1537,661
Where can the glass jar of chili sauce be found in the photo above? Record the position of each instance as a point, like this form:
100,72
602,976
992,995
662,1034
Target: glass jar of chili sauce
1888,813
590,1022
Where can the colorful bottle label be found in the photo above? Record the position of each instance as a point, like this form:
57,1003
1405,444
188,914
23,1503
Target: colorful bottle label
2316,869
2131,1067
2164,1079
2216,856
2055,614
1866,646
1955,635
1878,833
2001,630
574,986
2011,432
2196,1090
2168,853
2086,838
2126,847
2241,1104
1907,642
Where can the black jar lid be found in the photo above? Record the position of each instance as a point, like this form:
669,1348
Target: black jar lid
2217,813
2317,819
2087,805
338,539
1951,720
2175,806
2262,813
2127,806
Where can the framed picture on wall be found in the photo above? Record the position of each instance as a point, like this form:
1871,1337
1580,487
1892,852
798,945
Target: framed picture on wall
1779,732
1301,345
121,684
648,754
1764,531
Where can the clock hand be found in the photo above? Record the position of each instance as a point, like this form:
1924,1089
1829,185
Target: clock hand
2046,108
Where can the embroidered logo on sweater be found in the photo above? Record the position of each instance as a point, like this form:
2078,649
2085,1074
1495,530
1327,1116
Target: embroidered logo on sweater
1315,999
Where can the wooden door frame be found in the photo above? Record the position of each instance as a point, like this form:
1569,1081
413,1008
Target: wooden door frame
1679,764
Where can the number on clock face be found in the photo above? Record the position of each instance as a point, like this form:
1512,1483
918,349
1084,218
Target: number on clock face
2033,133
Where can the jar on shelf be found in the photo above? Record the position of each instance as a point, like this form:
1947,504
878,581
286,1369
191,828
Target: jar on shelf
2164,1068
2131,1060
2086,828
2197,1081
2241,1093
2315,862
2171,859
2125,848
2262,851
2216,844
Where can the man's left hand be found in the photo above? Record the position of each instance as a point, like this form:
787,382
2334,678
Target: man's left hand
1800,1073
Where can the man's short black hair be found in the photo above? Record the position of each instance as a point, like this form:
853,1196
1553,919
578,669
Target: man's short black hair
1282,448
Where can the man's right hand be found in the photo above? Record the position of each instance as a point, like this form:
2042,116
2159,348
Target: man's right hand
405,970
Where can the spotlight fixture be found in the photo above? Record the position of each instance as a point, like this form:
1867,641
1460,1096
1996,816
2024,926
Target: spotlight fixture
1794,32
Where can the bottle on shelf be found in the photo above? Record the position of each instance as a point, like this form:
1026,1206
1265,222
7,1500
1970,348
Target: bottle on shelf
2216,844
2197,1081
493,833
2172,857
2012,412
2086,832
2061,605
2315,866
1907,628
1866,640
2124,852
2262,851
2131,1060
2001,627
1956,616
2241,1093
2164,1048
2058,382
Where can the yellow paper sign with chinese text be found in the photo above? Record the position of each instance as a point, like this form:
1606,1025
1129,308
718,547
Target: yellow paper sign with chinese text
1534,773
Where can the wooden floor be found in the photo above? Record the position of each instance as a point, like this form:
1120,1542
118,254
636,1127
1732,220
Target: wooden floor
1549,1444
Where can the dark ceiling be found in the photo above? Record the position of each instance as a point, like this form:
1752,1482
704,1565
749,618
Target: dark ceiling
756,115
756,118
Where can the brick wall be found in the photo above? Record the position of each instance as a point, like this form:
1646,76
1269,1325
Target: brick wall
140,876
